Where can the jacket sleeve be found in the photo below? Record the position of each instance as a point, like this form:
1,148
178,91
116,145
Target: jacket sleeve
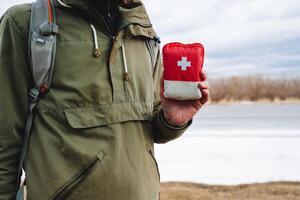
14,83
163,132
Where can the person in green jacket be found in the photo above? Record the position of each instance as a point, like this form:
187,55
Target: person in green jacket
93,132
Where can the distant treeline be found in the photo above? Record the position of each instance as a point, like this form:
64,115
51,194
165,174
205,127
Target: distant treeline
253,88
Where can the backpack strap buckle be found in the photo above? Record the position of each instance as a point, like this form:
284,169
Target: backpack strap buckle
33,95
47,28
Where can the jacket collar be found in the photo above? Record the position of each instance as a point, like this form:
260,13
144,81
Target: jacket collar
134,14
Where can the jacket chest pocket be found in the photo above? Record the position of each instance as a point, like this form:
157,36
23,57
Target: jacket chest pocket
140,50
78,77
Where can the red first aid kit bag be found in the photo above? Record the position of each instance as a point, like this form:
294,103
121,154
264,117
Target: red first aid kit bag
182,66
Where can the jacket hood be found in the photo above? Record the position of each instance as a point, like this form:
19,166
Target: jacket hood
135,13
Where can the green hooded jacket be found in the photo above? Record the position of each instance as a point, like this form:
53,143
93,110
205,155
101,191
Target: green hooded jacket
93,133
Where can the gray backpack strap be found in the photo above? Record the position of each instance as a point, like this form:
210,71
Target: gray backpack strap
42,49
42,43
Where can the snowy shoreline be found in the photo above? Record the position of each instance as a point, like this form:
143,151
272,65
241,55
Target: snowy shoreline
236,144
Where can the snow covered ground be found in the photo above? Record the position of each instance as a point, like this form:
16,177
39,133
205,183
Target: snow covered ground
236,144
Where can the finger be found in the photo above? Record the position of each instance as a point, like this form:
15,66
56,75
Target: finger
203,75
205,96
203,85
205,93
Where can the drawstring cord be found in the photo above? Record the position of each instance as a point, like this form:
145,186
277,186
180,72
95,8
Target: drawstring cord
63,4
96,46
126,74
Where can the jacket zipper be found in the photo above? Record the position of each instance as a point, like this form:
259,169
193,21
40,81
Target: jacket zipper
81,174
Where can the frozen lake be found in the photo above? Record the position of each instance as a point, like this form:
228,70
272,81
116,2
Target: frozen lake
233,144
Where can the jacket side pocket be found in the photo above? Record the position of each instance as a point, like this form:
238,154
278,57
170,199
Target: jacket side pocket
79,176
151,153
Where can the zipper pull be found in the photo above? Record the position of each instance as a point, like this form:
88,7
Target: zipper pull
113,49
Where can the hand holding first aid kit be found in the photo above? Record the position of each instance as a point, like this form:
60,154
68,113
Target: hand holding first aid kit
182,66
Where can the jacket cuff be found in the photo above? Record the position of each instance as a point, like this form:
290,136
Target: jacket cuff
166,131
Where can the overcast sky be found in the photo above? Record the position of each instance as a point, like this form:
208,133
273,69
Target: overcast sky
240,36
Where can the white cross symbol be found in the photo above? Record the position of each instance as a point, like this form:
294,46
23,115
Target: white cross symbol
184,63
